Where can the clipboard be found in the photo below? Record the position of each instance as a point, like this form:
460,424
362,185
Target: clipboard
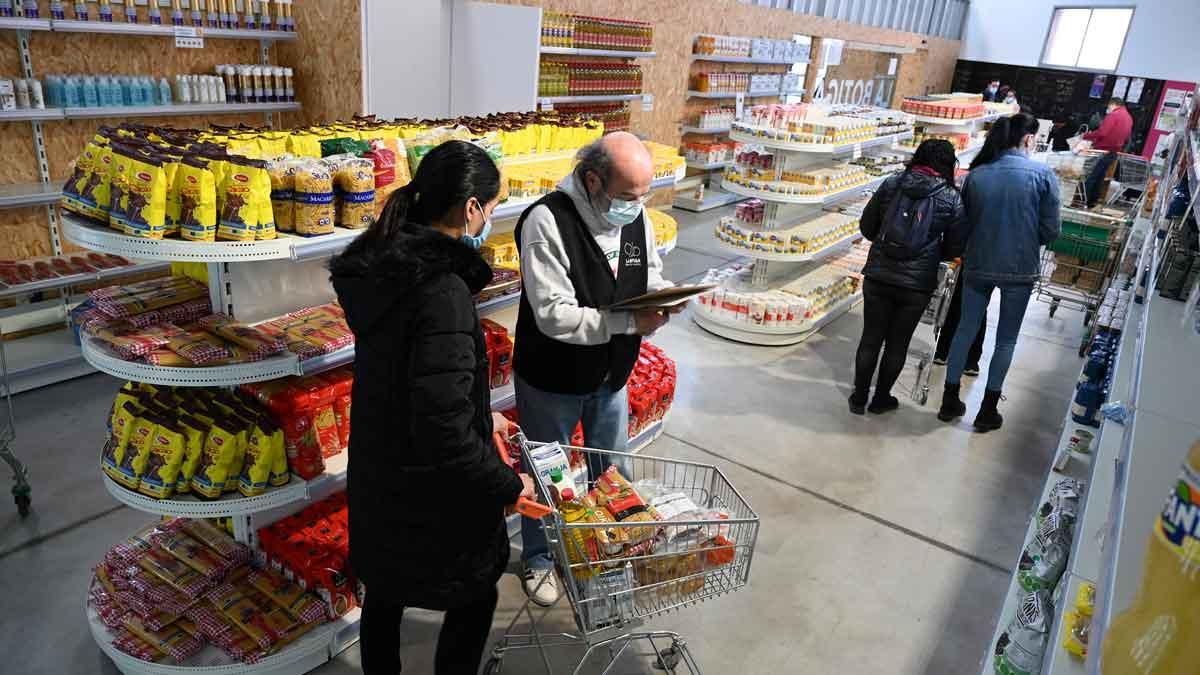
664,299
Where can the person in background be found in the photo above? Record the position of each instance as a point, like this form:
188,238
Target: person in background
585,246
989,94
1012,207
421,454
953,315
902,267
1007,95
1110,138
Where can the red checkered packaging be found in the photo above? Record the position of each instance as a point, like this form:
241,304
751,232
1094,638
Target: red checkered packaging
135,646
132,344
212,624
155,590
172,640
171,570
129,551
288,596
198,347
153,617
216,539
122,302
242,611
258,341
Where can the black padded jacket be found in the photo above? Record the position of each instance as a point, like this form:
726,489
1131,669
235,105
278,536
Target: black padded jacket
946,242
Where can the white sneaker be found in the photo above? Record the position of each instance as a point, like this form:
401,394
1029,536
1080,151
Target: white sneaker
541,586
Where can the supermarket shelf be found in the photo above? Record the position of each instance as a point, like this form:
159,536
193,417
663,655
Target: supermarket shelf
309,652
187,506
745,59
740,331
79,279
822,148
712,199
175,110
45,358
212,376
825,199
162,30
647,436
513,208
29,194
838,246
622,53
704,130
19,23
732,94
968,151
31,115
713,165
947,122
597,98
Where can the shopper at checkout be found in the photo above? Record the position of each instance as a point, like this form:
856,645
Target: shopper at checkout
1012,208
583,247
1110,138
427,489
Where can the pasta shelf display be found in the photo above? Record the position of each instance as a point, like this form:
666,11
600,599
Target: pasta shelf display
794,305
179,587
817,124
814,180
807,237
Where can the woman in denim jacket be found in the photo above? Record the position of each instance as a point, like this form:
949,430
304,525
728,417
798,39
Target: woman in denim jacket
1012,207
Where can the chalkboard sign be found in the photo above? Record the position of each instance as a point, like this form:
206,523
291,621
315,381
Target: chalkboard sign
1062,96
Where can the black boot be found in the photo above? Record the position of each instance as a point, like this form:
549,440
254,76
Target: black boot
952,408
858,401
989,418
883,402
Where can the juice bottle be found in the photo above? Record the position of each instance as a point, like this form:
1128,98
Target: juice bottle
1156,635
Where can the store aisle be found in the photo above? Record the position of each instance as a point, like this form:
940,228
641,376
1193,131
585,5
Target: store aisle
885,546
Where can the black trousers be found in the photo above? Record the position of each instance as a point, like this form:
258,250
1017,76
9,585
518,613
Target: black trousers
890,315
951,325
460,644
1095,179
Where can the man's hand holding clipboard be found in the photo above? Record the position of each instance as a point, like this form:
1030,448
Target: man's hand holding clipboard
651,311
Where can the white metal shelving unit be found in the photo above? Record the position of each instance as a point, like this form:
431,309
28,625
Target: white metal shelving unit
704,130
619,53
29,194
713,58
713,198
177,110
785,210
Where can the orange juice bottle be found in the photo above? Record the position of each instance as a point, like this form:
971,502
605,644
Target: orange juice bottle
1157,634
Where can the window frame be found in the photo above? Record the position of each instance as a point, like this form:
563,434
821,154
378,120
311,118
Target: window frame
1091,8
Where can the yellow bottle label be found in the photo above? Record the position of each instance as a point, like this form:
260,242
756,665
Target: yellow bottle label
1179,523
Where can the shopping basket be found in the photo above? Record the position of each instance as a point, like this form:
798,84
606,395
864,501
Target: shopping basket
617,575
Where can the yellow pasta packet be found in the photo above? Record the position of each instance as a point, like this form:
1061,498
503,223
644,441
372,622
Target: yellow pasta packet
256,469
194,432
137,452
197,190
213,470
238,219
260,191
280,475
171,207
282,173
167,450
145,197
115,448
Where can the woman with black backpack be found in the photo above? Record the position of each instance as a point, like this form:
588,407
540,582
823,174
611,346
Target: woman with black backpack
914,221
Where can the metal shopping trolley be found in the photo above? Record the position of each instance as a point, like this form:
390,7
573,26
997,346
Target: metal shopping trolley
618,575
935,316
1077,267
8,434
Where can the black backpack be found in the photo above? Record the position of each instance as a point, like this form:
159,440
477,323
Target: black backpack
905,230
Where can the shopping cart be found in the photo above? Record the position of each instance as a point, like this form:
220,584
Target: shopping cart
20,489
935,316
1077,267
617,575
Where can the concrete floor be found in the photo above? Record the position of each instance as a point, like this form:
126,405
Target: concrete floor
885,542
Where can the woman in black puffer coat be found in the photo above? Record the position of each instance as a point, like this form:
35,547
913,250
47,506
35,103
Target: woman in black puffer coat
898,286
426,487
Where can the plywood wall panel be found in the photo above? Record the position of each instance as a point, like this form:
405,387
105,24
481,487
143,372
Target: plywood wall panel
677,23
24,233
328,60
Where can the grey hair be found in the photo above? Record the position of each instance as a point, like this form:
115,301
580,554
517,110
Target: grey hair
596,158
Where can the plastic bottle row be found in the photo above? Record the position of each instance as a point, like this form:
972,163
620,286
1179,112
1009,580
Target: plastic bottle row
256,14
232,84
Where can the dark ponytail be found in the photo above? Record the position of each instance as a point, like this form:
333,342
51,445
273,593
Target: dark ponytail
1006,133
446,178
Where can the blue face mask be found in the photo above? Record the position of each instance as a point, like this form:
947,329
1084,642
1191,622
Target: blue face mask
475,241
622,213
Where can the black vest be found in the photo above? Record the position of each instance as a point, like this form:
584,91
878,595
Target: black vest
558,367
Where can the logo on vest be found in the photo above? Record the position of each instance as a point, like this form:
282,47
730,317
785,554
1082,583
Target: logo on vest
633,254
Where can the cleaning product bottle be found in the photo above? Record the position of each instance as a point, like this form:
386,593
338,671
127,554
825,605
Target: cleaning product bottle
36,100
91,98
57,11
1156,635
155,13
106,13
164,92
81,11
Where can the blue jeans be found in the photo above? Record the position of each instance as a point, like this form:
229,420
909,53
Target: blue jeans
1095,179
1014,298
547,417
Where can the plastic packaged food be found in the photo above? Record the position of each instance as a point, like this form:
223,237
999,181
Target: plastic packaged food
282,173
238,206
197,190
313,197
137,451
1020,649
220,448
167,451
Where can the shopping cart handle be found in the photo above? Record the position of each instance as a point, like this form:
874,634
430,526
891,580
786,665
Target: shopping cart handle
532,509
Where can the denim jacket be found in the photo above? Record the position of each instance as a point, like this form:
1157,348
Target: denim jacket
1012,209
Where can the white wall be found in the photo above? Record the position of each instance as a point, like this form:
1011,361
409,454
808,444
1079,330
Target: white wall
1162,42
406,57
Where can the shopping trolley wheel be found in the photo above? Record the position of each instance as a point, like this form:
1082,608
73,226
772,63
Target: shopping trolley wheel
1087,318
492,666
923,397
667,659
1053,307
22,505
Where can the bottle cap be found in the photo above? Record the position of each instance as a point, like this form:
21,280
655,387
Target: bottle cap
568,495
555,475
